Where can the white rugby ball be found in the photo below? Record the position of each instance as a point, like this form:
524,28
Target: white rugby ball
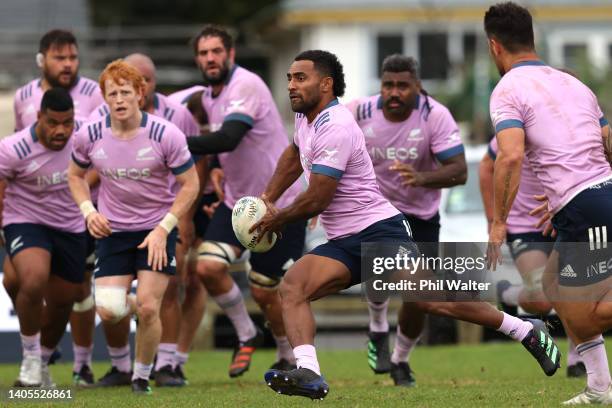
247,211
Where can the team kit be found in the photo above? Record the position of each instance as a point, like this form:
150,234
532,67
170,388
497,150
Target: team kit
106,182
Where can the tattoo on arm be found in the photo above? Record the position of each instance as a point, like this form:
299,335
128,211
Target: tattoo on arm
506,196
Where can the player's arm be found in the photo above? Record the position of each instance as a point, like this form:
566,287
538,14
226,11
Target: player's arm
485,172
312,202
187,194
452,172
97,224
225,139
507,175
287,171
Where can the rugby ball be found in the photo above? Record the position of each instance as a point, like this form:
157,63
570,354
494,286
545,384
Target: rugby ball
247,211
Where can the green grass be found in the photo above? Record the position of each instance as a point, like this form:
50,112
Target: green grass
450,376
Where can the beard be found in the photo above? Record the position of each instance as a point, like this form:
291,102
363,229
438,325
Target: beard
55,82
302,105
220,77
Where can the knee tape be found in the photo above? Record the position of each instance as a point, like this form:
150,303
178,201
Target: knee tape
84,305
114,300
262,281
533,279
216,251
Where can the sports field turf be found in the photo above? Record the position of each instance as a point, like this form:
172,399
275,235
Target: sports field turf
488,375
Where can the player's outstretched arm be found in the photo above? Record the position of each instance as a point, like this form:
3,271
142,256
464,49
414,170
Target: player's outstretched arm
225,139
485,172
287,171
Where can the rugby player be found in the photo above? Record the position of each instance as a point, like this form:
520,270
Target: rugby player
135,154
329,147
248,137
45,237
554,120
416,150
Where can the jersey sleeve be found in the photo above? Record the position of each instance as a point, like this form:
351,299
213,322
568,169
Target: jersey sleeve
506,110
6,161
81,149
331,149
445,136
352,106
18,124
242,103
176,152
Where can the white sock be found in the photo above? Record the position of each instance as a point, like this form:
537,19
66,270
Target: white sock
510,296
142,371
165,355
283,349
306,357
593,354
378,316
180,359
403,347
82,357
233,305
45,354
514,327
31,344
120,358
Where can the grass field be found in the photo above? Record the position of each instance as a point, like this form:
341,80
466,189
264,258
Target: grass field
450,376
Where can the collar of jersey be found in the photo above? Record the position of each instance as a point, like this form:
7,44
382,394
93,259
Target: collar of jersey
155,101
530,63
143,121
33,132
379,102
78,78
331,103
230,74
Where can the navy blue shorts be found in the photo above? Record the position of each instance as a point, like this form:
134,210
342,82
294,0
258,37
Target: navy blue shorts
118,254
528,241
394,230
273,263
67,249
200,219
426,233
584,227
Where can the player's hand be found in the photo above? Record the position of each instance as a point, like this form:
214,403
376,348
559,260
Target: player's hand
216,178
210,209
545,216
98,225
410,177
155,242
497,235
269,222
186,231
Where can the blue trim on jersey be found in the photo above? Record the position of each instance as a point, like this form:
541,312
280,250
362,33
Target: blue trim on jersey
155,101
145,116
379,102
448,153
530,63
33,132
183,168
507,124
326,170
330,104
81,164
240,117
491,153
603,121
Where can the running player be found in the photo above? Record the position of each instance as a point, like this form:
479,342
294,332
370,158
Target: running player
555,121
248,136
45,237
135,154
415,148
528,246
329,147
58,60
117,335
